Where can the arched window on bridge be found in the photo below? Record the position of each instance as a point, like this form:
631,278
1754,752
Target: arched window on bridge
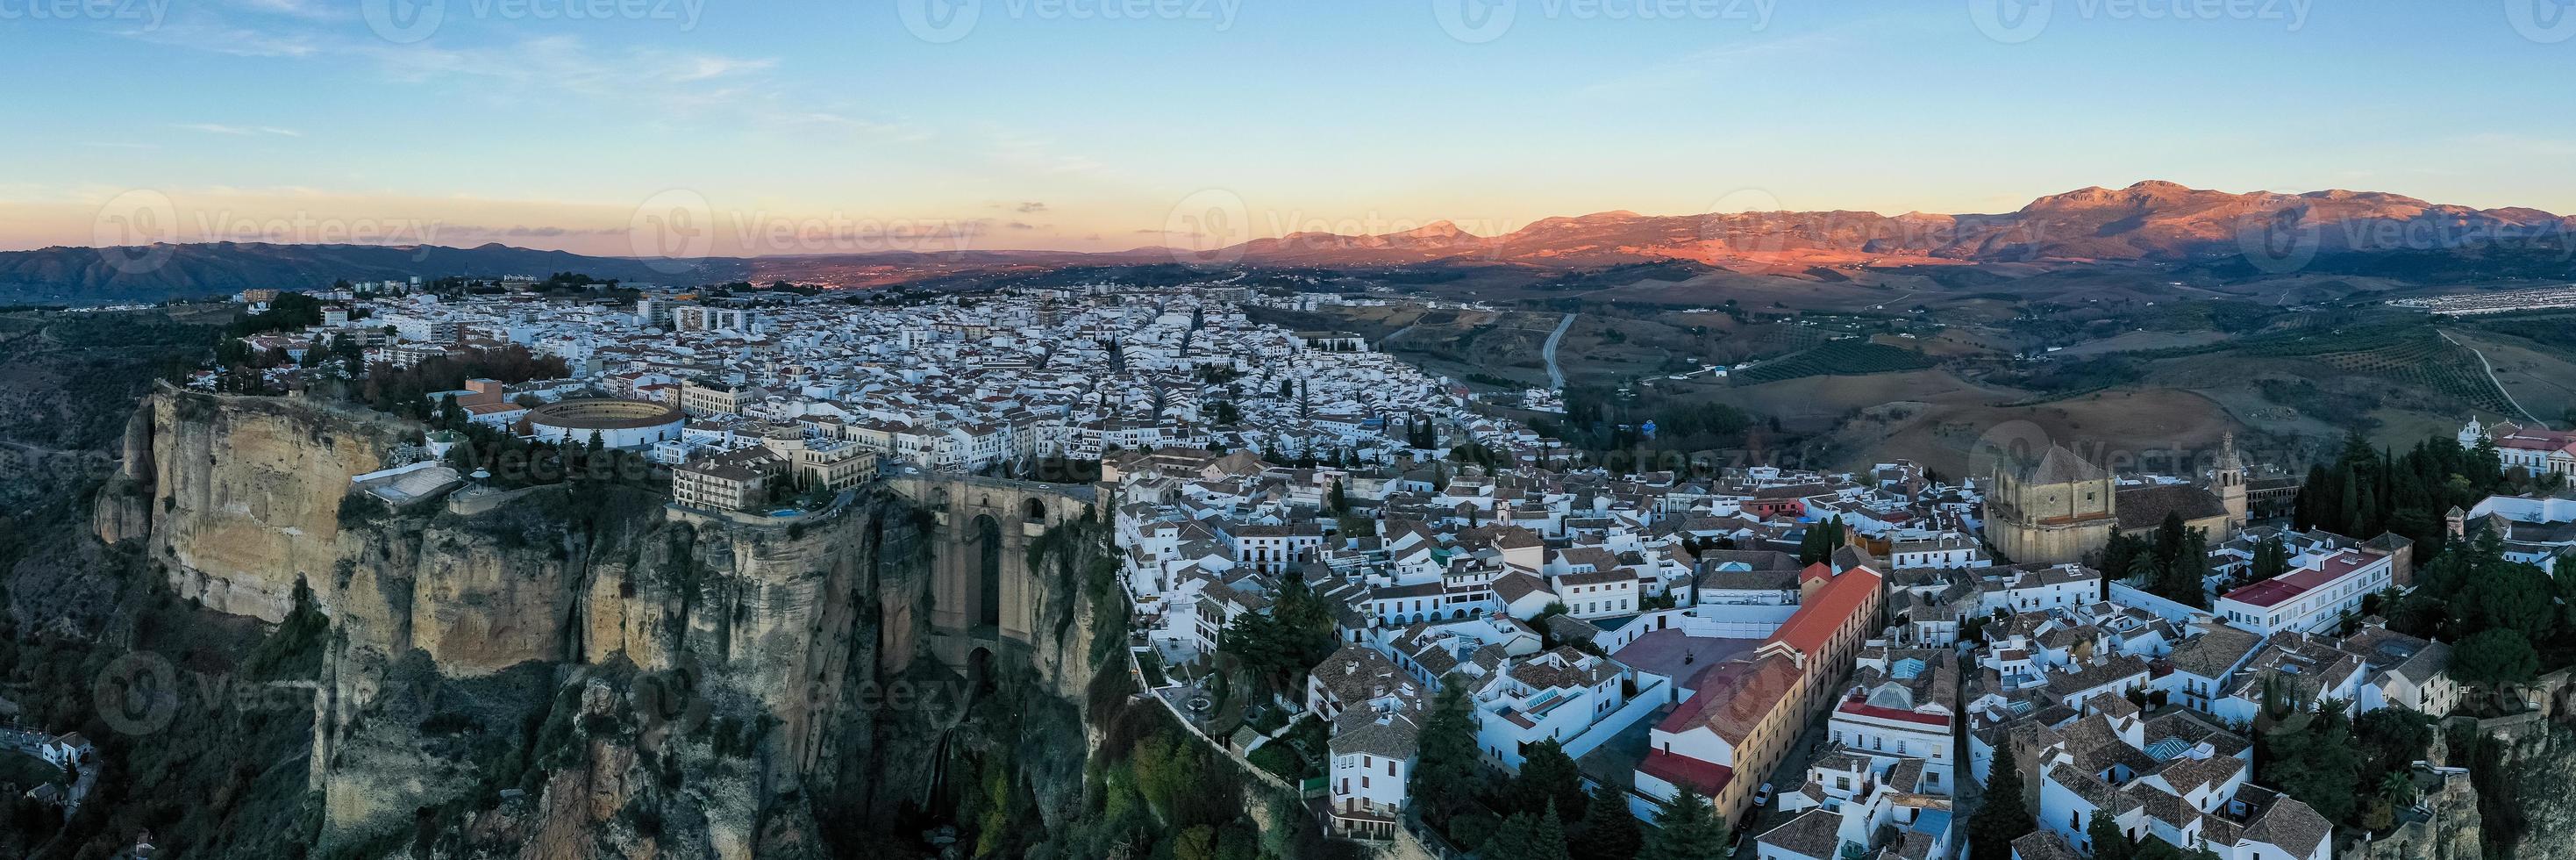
987,538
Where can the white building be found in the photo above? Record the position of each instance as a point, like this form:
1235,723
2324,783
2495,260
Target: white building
2309,599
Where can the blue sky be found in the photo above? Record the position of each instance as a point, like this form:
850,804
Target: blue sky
1053,124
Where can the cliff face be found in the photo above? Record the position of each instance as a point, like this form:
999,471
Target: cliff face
239,496
581,672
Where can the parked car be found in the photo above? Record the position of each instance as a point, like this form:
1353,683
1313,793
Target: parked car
1762,796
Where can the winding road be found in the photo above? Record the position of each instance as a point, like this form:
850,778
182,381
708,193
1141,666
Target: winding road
1556,374
2491,377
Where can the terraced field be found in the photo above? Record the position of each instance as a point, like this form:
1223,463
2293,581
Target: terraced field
2428,362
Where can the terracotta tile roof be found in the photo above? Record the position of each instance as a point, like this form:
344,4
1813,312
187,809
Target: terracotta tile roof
1707,778
1733,697
1824,612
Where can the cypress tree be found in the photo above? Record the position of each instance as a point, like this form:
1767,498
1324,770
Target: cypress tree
2001,818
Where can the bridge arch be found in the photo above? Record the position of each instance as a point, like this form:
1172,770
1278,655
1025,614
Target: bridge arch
983,594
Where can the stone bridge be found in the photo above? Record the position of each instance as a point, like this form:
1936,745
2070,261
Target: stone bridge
983,595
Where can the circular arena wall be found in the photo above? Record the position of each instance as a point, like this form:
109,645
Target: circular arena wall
619,423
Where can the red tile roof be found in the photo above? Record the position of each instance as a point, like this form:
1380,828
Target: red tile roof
1707,778
2279,589
1823,613
1731,698
1865,709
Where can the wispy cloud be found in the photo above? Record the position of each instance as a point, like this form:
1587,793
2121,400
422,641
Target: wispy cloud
240,130
1756,50
312,9
701,68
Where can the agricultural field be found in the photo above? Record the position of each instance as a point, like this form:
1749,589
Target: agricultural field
1838,358
2430,363
2142,341
2542,381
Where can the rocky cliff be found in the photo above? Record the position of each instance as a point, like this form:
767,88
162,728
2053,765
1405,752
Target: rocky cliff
583,672
239,497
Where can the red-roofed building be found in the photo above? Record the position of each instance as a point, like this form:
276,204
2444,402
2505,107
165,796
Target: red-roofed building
2310,599
1742,715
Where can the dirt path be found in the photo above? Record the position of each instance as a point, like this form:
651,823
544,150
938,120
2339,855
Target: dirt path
2491,378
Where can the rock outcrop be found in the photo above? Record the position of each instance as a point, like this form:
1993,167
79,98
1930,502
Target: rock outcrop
240,496
581,672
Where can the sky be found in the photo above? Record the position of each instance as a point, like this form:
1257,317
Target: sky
799,126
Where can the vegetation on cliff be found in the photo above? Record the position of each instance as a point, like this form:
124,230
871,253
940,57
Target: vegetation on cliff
196,745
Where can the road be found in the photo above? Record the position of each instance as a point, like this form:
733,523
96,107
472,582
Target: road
1556,374
2491,379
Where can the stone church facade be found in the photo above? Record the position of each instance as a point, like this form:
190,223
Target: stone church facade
2063,509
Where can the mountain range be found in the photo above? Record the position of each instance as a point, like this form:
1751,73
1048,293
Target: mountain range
2149,221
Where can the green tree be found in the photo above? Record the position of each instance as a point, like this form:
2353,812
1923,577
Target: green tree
1686,828
2498,657
1547,836
2122,557
1195,843
2271,560
1609,830
1446,776
2001,817
2310,755
1548,779
1511,840
2108,842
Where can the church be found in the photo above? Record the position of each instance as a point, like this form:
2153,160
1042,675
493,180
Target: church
2535,450
2063,509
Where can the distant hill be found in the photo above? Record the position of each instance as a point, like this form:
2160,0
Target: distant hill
93,276
2348,232
2149,221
